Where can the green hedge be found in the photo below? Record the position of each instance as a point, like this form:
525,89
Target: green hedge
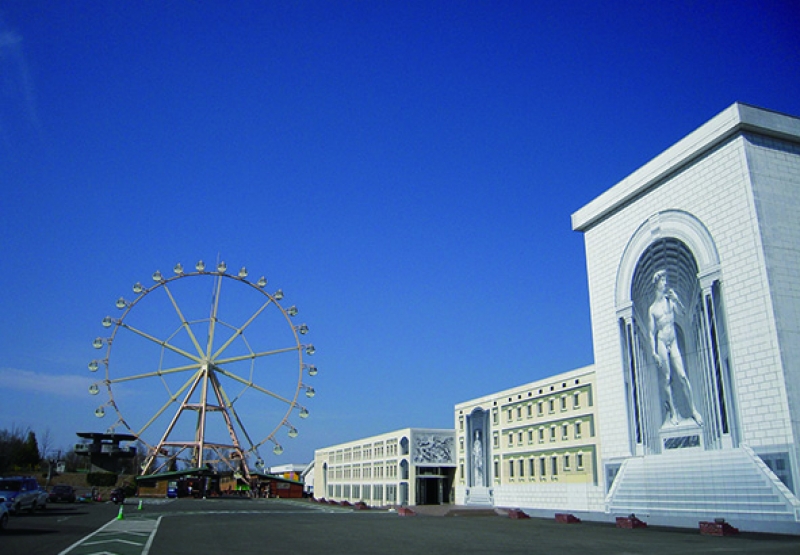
101,479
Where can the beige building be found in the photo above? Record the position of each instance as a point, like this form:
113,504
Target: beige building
412,466
533,446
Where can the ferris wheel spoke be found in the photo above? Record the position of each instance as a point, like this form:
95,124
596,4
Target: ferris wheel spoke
239,331
174,397
256,355
253,385
164,344
213,319
225,401
162,372
184,322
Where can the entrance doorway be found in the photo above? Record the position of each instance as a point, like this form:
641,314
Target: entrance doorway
434,488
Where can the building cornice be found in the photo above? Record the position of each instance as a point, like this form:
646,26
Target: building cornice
737,119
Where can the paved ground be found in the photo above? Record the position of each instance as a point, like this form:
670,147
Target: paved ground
272,526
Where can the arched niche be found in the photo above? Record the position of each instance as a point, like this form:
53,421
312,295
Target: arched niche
679,245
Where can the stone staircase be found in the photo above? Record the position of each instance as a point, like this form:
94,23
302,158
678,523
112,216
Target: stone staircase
733,484
479,496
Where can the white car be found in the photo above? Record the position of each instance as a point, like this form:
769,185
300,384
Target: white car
3,514
22,493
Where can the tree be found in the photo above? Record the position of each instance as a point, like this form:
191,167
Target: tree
29,457
16,453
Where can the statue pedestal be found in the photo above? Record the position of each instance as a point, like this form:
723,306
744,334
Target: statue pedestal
684,435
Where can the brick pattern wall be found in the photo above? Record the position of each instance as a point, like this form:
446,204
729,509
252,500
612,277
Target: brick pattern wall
715,189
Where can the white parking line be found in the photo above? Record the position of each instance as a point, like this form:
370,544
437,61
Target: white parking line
116,532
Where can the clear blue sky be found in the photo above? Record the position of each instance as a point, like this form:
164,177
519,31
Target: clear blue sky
404,171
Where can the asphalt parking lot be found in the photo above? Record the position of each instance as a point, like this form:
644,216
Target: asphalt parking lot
273,526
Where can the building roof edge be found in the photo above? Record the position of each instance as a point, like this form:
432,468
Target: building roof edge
737,118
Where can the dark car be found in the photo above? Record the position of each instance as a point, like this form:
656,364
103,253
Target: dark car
118,496
60,493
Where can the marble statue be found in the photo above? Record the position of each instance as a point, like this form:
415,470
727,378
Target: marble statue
477,460
664,342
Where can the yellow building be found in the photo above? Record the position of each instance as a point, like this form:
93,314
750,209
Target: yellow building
534,446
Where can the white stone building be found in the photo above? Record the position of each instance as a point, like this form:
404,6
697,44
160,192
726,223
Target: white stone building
693,271
412,466
533,447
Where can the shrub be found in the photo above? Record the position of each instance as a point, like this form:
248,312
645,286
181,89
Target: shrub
101,479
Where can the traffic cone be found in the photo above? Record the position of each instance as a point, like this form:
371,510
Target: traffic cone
120,516
139,508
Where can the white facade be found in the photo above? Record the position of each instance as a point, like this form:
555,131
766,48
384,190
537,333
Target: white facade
718,213
531,447
412,466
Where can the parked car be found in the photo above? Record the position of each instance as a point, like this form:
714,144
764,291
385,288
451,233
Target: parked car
22,492
3,514
118,496
62,494
41,499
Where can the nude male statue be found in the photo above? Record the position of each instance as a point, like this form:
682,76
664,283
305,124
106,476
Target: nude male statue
477,460
664,341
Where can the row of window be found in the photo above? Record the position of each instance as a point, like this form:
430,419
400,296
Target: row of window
543,407
373,494
367,471
542,434
391,448
519,437
552,404
533,467
520,468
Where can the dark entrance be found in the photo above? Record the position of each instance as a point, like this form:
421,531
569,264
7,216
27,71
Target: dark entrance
434,485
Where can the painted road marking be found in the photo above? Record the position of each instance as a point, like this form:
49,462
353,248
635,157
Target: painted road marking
118,537
135,535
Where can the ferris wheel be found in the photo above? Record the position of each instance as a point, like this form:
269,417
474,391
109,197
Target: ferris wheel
190,360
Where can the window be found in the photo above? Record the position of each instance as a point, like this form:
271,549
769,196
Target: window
530,436
542,467
576,400
496,441
494,416
510,469
531,467
565,431
541,435
510,439
519,413
530,411
563,403
496,470
510,415
552,433
566,462
554,465
541,408
579,460
552,405
519,438
577,429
